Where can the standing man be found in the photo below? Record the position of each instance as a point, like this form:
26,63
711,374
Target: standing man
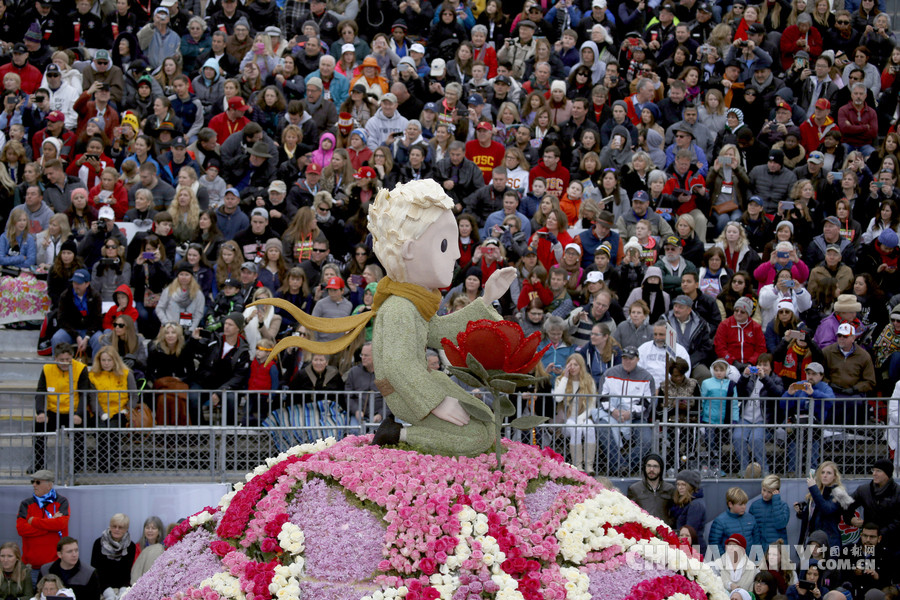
858,121
652,492
880,501
42,520
484,151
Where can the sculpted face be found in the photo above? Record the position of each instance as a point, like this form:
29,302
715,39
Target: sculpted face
430,259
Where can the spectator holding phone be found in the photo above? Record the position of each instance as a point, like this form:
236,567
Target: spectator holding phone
808,587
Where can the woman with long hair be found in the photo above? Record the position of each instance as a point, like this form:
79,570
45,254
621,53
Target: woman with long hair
440,143
739,286
25,297
733,242
208,235
185,211
602,353
555,224
182,301
575,396
338,174
295,290
712,111
826,501
202,270
534,102
151,545
16,575
49,241
167,73
714,275
112,380
689,507
269,110
49,586
888,218
301,233
168,355
273,268
114,553
12,167
130,345
107,275
822,16
228,264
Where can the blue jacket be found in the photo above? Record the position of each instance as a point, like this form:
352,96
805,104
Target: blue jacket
233,224
693,514
729,523
827,508
27,255
555,356
772,518
715,411
339,88
799,401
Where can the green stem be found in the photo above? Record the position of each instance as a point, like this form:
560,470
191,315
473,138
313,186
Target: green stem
498,426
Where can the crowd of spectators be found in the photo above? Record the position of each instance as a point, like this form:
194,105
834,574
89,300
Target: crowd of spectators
748,546
730,169
48,563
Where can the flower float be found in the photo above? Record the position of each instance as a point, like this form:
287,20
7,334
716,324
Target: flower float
351,521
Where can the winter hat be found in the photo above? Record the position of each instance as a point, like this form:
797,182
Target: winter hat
633,244
620,103
654,110
885,465
888,238
787,304
474,272
361,133
690,477
242,21
558,84
736,538
312,24
275,243
33,34
787,224
744,303
71,246
237,317
818,536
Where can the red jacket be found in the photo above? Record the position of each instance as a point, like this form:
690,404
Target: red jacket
92,176
543,294
545,248
114,311
557,181
743,343
68,147
858,128
690,179
489,57
31,79
789,45
359,159
223,126
39,537
811,134
87,110
118,200
632,111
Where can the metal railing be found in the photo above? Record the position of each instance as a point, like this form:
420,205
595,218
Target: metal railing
178,434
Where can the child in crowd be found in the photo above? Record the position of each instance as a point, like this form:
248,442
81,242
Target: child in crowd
262,380
734,520
532,199
214,184
716,409
227,301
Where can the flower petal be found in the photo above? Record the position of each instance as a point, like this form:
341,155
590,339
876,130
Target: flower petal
488,344
527,367
456,357
513,332
523,354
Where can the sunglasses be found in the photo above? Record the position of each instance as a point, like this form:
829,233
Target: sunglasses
51,75
102,62
893,320
111,247
35,481
319,250
120,325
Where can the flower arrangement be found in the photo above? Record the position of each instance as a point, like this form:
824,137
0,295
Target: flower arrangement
351,521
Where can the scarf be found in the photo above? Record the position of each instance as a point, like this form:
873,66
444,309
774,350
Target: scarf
46,499
112,549
426,303
888,343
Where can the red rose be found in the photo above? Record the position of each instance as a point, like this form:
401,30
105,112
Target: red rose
427,565
221,548
497,345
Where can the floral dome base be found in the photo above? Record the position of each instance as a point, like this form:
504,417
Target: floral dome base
351,521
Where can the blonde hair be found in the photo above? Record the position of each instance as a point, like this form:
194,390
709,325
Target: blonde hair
401,215
119,367
191,215
193,287
19,572
772,482
161,338
818,477
49,578
14,216
577,405
736,495
120,519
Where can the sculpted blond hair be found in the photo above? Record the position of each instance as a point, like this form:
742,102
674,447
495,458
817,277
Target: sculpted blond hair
401,215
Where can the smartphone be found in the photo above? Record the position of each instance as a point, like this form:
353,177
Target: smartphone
754,370
680,192
148,255
726,160
789,284
356,279
787,205
541,233
806,585
838,175
812,473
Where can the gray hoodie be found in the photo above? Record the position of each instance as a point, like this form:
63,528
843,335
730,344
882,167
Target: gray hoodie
379,126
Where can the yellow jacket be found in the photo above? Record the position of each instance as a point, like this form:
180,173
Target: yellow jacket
108,385
57,380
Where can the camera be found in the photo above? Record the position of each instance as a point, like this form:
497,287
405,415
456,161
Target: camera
39,99
743,44
102,222
109,262
754,370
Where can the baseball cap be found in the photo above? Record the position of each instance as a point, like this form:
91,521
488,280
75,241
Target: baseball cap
756,199
348,48
231,282
335,283
757,28
81,276
527,23
438,66
475,99
833,248
106,213
277,186
389,97
783,105
502,79
259,211
237,103
431,106
56,116
485,125
815,156
641,196
52,68
20,48
704,6
833,220
574,247
846,329
250,266
594,277
234,191
365,173
178,142
630,352
673,240
417,48
313,168
684,300
104,54
815,368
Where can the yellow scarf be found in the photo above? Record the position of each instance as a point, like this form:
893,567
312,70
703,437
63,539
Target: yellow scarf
425,301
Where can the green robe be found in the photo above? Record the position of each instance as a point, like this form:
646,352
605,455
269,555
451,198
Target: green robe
399,341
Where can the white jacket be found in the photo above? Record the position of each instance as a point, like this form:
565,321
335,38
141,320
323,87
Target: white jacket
63,100
379,126
769,297
72,76
653,358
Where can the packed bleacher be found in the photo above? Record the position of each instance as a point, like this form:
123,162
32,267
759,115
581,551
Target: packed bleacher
729,169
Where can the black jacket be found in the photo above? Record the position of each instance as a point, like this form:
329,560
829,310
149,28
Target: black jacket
82,580
228,372
71,319
881,506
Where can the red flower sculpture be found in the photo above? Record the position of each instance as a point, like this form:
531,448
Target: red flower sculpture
497,345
